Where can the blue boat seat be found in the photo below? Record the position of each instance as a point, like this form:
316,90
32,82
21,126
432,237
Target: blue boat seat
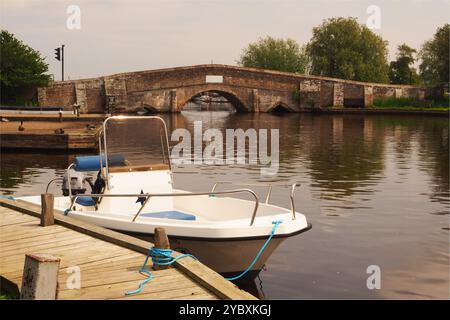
92,163
85,201
176,215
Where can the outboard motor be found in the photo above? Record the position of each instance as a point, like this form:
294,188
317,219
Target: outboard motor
77,183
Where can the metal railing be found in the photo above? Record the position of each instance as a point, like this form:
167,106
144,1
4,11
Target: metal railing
69,184
269,190
51,181
177,194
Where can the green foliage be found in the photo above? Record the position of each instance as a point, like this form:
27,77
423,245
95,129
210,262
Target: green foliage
8,297
21,67
343,48
434,67
411,103
275,54
296,95
401,71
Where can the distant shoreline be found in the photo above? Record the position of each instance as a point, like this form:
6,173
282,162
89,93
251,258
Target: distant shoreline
394,111
100,117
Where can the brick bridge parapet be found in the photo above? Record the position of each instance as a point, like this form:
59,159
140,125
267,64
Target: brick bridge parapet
249,90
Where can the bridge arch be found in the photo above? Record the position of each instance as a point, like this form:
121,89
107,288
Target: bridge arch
280,107
235,99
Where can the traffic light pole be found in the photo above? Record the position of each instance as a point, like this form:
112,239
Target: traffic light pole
59,55
62,62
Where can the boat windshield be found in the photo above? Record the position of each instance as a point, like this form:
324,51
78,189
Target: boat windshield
135,144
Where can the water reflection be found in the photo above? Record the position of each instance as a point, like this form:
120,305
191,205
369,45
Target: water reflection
376,189
26,172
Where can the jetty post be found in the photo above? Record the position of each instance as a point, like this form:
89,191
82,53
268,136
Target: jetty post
47,214
40,277
161,242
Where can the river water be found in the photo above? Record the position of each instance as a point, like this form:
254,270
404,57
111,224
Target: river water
374,187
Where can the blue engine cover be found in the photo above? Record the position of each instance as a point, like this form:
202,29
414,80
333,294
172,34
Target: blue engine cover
92,163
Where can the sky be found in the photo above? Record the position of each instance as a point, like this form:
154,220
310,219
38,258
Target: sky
130,35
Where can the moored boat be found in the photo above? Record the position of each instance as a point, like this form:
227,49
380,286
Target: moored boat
132,192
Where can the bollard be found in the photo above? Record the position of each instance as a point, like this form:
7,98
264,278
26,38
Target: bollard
47,215
161,242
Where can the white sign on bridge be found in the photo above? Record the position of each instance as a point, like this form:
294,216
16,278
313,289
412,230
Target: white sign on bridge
214,79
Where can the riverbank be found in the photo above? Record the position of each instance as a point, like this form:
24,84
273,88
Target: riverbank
406,111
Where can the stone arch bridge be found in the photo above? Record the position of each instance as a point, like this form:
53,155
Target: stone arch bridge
249,90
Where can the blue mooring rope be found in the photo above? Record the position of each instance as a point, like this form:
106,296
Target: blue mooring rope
160,257
275,227
163,257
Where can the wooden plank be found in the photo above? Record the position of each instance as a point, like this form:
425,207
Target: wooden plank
131,272
118,290
28,232
48,242
114,261
195,296
9,216
5,212
211,280
175,294
21,233
18,220
71,250
39,243
71,254
121,261
5,221
132,277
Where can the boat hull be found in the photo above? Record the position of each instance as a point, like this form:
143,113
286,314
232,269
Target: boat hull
228,257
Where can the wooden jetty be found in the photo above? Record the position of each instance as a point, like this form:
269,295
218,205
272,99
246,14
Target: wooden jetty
45,116
108,262
52,135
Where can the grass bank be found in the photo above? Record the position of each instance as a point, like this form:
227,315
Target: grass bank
412,104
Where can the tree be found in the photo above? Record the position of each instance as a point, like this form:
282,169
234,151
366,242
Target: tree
401,70
342,48
275,54
21,68
434,56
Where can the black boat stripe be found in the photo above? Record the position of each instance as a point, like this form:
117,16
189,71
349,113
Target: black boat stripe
142,234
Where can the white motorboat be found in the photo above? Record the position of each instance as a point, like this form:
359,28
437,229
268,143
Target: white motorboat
133,193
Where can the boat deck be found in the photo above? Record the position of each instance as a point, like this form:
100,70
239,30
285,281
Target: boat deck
108,261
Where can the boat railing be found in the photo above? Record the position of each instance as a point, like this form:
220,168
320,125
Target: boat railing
103,138
148,196
51,181
269,190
